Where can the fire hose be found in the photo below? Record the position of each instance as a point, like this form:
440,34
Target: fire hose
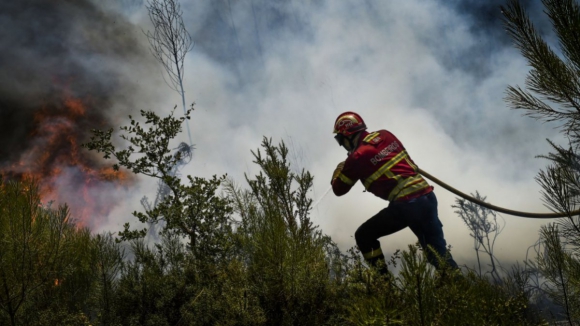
493,207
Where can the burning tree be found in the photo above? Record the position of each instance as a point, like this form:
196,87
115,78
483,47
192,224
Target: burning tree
42,255
65,173
52,94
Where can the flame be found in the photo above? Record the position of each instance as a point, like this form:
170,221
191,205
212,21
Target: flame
65,171
75,106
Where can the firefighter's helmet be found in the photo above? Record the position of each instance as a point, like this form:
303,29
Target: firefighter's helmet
349,123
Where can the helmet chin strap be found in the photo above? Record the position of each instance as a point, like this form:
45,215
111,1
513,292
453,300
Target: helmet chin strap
350,143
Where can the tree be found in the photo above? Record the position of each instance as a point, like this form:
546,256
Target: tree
559,265
554,95
185,152
44,257
109,262
153,285
194,210
170,43
286,254
484,227
267,263
203,283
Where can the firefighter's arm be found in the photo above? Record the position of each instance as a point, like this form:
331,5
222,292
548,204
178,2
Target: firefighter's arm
341,184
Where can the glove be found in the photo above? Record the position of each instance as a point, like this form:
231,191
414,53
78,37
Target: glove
337,171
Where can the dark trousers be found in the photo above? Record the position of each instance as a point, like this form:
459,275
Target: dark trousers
419,214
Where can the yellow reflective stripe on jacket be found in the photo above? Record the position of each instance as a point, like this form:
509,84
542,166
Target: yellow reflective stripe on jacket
385,169
408,186
405,186
370,136
346,179
412,189
402,183
411,164
372,254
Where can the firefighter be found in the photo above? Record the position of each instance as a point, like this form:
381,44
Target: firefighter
379,160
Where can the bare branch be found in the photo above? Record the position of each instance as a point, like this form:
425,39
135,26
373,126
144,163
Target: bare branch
170,42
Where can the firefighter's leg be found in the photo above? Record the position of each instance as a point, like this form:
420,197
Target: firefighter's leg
383,223
424,222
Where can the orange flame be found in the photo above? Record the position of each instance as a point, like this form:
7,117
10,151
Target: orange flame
66,172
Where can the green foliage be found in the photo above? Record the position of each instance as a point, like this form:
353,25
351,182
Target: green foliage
193,210
164,285
202,283
152,287
45,261
560,266
225,299
554,96
554,79
285,253
421,296
270,265
367,298
108,259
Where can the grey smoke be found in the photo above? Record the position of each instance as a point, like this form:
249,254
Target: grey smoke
434,72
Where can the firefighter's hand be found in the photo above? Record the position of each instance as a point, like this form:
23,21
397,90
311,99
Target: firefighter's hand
337,171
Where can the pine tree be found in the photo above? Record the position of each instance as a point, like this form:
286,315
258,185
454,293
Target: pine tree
45,270
553,94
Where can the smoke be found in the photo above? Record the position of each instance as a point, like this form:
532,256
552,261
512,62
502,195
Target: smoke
433,72
67,67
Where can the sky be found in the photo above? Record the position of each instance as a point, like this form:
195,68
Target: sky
433,72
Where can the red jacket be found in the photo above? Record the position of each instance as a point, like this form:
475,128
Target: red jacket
384,168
